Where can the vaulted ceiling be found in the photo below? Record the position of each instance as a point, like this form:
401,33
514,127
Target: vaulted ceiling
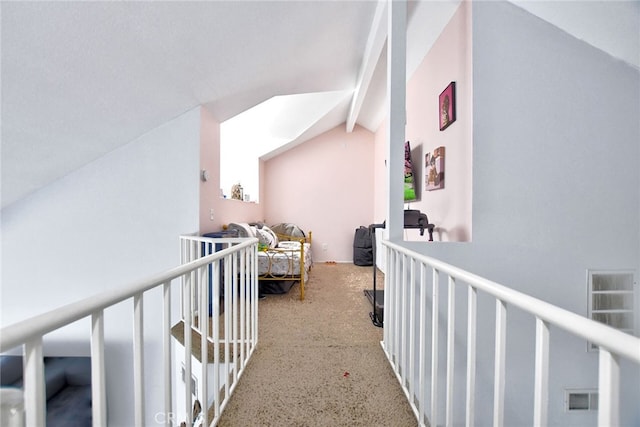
80,79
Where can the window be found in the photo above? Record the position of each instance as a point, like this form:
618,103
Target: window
611,299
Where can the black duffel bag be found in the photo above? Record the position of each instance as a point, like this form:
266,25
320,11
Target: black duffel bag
363,247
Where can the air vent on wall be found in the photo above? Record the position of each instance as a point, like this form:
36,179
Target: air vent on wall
581,400
611,299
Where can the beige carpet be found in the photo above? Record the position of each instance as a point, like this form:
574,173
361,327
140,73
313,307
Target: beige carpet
319,361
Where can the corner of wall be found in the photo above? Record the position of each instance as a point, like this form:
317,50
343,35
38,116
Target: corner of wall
214,210
210,162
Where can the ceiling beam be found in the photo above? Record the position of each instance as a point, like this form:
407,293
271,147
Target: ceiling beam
375,43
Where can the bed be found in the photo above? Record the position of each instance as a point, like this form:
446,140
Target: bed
284,255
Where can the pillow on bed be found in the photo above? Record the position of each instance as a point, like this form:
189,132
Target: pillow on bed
288,229
244,229
265,238
274,238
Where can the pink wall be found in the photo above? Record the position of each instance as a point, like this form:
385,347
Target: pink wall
381,195
238,211
337,181
448,60
209,161
325,185
224,210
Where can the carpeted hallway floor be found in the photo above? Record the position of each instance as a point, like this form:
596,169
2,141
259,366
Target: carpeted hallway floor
319,361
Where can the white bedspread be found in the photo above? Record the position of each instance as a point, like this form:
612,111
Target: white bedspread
284,260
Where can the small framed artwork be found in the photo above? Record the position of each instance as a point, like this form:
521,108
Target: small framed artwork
434,167
447,106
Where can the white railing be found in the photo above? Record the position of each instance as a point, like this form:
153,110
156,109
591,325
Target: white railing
407,330
240,303
231,295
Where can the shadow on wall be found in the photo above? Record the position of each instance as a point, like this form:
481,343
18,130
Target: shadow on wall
456,234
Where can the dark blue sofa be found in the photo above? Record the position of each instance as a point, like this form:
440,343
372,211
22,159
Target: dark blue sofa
68,387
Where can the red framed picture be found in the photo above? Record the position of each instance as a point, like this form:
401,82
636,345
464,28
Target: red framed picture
447,106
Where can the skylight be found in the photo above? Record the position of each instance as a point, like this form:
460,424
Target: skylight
265,130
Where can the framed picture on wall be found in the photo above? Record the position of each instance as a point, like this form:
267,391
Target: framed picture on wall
434,167
447,106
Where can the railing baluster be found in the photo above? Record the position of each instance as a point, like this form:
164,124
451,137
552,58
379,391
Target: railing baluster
412,329
34,389
434,348
422,369
166,350
541,390
254,294
195,250
183,260
471,356
188,345
396,311
254,297
451,326
390,310
243,284
609,389
390,282
98,385
239,282
302,272
402,312
138,359
228,277
216,338
203,322
387,292
499,366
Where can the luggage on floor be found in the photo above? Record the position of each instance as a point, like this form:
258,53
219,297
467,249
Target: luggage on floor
362,247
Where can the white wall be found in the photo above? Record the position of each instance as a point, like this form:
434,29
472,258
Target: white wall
556,144
113,221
